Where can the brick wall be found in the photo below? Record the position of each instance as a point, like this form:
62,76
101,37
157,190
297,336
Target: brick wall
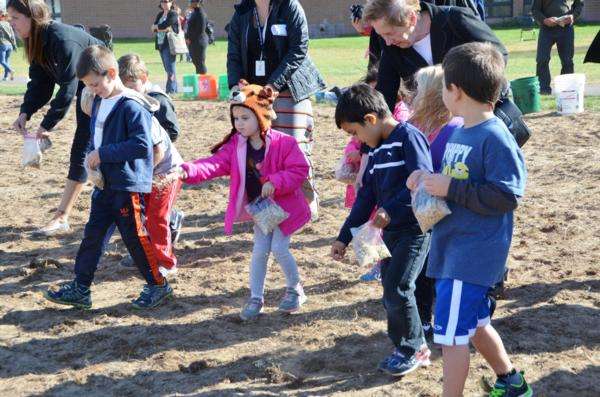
132,18
591,10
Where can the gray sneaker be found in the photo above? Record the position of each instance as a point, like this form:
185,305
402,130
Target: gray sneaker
252,309
292,300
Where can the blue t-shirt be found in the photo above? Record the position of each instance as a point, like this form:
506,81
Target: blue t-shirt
465,245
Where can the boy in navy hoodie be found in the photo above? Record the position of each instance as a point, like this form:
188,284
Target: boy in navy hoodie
123,152
396,150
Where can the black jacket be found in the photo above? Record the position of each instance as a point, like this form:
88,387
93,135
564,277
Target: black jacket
63,44
593,53
196,28
296,71
172,21
450,27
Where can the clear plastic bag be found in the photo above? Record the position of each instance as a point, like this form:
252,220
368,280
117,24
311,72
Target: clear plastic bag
266,213
32,154
428,209
346,172
368,245
95,176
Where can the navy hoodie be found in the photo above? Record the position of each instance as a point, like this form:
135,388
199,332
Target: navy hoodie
384,182
126,152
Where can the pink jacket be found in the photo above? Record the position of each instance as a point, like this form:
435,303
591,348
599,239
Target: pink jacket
285,166
352,146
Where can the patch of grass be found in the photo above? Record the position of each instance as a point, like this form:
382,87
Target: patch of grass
342,60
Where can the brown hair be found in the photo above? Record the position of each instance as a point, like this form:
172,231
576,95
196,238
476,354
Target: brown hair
39,13
131,67
95,59
394,12
429,111
477,69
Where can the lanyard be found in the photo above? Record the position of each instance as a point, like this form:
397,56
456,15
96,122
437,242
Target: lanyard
262,31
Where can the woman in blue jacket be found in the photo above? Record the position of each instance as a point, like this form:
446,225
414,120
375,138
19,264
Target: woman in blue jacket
52,50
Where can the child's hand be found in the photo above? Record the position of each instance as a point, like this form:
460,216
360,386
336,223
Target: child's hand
353,157
267,190
338,250
381,219
93,159
437,184
413,180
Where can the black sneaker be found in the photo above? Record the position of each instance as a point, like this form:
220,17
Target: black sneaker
71,294
503,388
176,224
397,364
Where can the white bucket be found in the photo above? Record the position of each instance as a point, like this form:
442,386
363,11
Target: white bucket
568,89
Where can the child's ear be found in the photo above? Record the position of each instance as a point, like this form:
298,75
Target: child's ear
370,118
144,78
112,73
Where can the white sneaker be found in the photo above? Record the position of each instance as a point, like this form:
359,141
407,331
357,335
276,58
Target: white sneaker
55,227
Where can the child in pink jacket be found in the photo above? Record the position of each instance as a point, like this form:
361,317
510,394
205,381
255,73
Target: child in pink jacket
260,162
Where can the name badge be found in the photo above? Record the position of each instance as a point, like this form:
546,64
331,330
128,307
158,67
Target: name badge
261,69
279,30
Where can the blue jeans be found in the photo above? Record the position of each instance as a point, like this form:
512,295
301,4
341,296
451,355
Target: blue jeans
409,248
564,38
5,51
169,62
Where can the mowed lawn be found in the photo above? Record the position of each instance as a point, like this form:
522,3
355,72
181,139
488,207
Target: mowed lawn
342,60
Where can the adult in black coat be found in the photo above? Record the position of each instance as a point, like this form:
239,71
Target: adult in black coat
431,32
52,50
196,36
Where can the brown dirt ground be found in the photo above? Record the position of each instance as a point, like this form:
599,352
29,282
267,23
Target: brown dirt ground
195,345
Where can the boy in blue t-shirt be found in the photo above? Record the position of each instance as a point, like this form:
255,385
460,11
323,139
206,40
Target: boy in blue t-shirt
396,150
483,178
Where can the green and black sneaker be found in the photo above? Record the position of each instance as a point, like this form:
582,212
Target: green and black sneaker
71,294
506,387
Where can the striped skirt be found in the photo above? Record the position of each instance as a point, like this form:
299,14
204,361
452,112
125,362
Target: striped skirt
296,119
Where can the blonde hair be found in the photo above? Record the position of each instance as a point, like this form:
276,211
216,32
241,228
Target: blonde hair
429,112
394,12
131,67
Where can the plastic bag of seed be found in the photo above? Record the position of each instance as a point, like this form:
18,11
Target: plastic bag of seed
428,209
32,154
95,176
346,172
368,245
266,213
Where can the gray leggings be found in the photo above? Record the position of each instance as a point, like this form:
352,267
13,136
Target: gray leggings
279,244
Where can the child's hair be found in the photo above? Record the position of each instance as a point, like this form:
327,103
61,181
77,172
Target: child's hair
371,76
404,93
429,111
39,13
358,101
477,69
131,67
95,59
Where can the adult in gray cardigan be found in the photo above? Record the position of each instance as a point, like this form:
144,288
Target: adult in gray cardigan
52,50
268,46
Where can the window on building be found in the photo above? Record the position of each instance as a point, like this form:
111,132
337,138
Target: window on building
499,8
